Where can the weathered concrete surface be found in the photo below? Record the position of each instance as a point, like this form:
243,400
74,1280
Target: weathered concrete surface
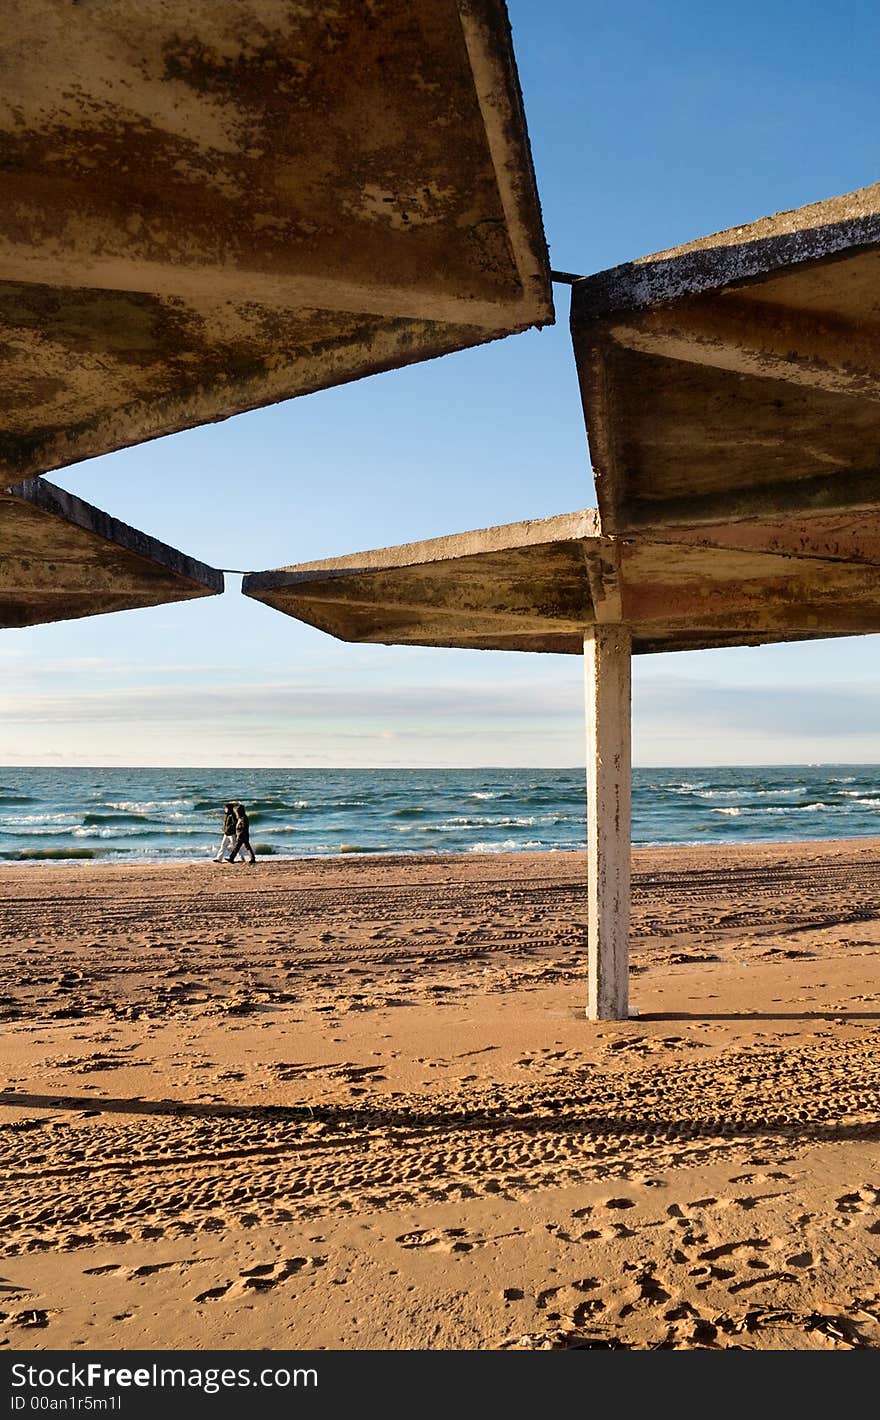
521,587
538,586
737,379
60,558
213,206
608,698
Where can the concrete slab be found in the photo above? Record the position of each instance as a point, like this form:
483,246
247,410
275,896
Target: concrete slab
60,558
537,586
214,206
737,379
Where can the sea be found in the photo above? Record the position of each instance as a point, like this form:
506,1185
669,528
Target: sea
157,815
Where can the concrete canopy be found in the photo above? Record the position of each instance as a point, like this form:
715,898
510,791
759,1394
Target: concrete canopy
731,387
538,586
214,206
732,396
60,558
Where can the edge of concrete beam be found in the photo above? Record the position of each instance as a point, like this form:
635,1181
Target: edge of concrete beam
732,257
565,527
488,38
57,502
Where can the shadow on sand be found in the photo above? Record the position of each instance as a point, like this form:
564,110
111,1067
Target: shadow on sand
842,1016
542,1117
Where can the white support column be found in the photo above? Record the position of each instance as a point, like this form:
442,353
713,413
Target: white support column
607,656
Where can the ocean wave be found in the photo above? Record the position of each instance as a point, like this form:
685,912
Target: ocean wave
99,818
145,806
749,793
801,808
132,830
573,802
52,818
684,787
257,814
509,845
156,816
757,810
502,821
23,855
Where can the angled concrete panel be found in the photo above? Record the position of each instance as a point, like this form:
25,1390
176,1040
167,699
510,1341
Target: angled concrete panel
737,378
521,587
60,559
539,586
214,206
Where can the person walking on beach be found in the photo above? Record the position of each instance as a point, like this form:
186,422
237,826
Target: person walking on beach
242,835
228,838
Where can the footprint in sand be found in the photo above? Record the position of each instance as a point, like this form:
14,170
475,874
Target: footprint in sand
748,1201
864,1200
567,1296
33,1317
262,1277
728,1249
148,1269
450,1240
269,1274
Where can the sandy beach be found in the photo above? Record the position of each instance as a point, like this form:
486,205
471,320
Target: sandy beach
355,1104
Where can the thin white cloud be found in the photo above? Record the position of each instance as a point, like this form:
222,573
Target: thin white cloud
846,711
536,721
264,704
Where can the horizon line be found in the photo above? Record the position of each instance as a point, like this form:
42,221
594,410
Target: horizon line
458,768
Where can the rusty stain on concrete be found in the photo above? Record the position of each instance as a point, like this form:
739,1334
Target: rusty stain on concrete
61,558
538,586
216,206
738,378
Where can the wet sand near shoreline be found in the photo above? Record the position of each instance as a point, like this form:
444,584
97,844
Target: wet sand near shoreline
355,1103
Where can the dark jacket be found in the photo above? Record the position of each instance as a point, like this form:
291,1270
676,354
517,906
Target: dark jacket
229,822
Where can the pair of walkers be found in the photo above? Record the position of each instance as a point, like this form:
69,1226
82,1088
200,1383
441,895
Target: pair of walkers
236,833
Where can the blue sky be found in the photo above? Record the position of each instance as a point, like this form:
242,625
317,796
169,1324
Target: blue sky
650,124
